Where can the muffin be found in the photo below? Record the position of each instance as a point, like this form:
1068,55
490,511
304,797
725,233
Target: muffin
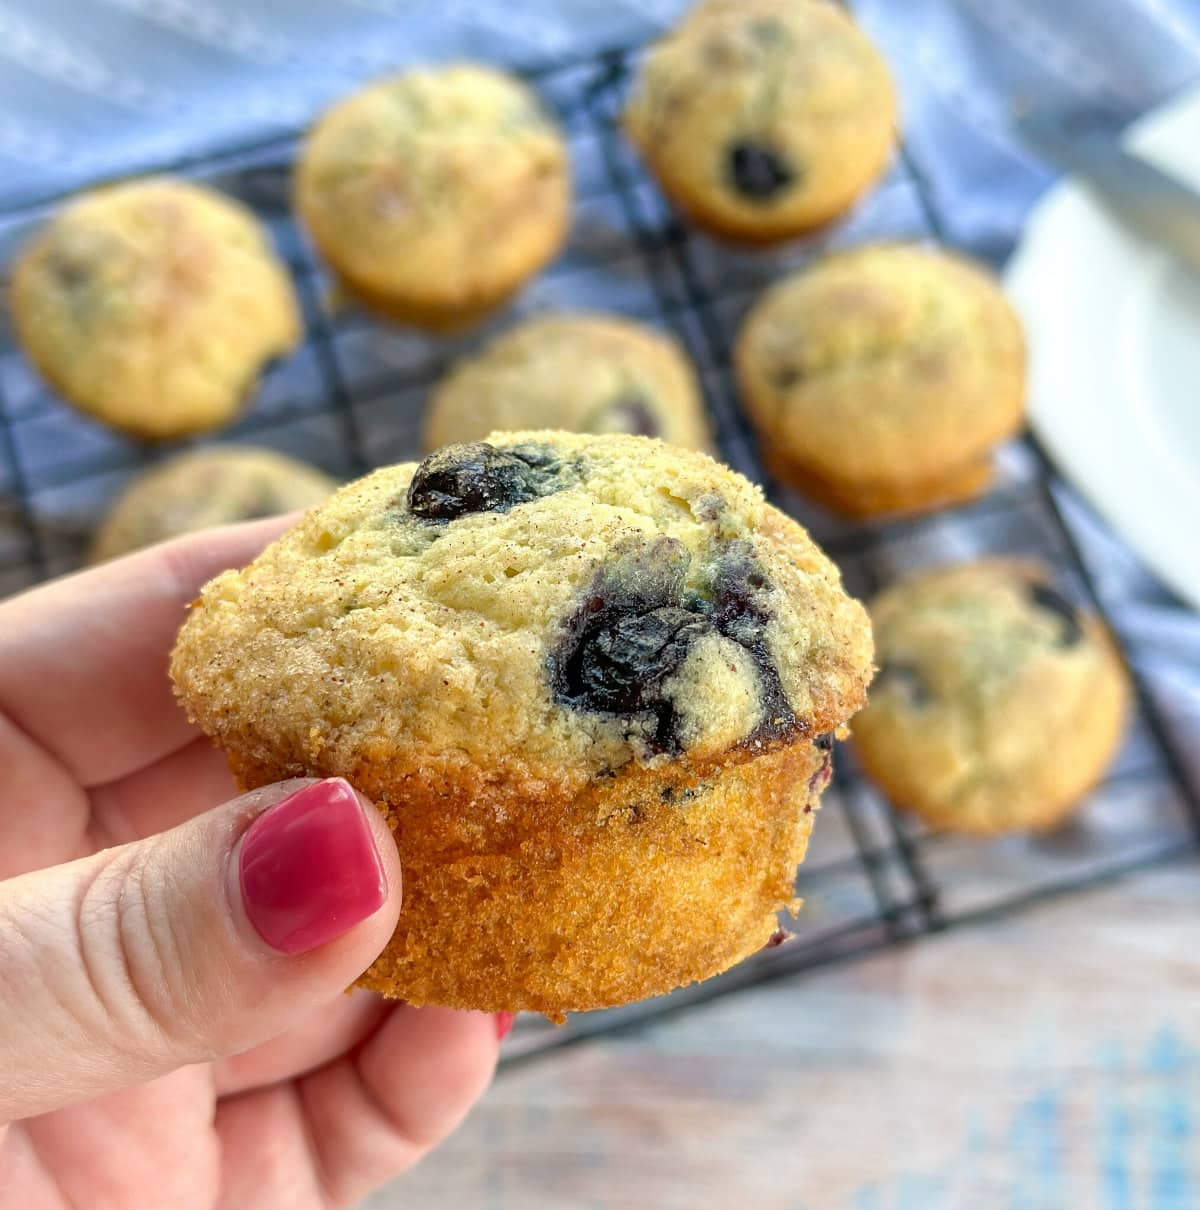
880,379
436,194
591,683
583,373
763,119
203,488
154,306
998,703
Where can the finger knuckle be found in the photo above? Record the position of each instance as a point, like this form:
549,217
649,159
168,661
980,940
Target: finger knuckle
132,959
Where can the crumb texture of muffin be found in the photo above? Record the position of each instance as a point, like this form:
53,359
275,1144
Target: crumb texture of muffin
585,373
590,682
763,119
154,306
998,702
219,485
880,379
435,194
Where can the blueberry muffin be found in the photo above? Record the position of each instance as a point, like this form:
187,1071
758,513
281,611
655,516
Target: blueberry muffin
998,703
204,488
434,195
154,306
583,373
590,681
880,379
762,119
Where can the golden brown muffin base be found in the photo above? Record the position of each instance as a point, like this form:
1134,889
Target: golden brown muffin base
863,500
635,885
432,317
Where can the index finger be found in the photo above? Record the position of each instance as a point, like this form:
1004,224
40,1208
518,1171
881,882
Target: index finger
83,659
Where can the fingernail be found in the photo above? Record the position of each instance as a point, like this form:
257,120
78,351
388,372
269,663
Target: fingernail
309,870
504,1024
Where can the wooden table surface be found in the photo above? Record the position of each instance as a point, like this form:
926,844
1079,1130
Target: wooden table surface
1050,1059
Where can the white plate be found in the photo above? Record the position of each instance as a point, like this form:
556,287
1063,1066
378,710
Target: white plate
1114,333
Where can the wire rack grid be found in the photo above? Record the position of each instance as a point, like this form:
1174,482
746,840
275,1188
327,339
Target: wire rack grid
350,398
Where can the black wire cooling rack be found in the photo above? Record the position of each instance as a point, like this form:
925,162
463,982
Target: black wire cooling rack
351,398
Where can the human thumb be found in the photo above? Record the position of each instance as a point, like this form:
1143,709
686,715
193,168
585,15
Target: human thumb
192,944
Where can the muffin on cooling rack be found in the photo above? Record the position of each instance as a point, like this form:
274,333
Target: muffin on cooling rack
203,488
998,703
586,373
434,195
762,119
591,683
880,379
154,306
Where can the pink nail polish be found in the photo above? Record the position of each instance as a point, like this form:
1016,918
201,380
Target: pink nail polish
504,1024
309,870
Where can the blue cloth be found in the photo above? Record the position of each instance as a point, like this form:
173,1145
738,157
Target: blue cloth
94,87
962,64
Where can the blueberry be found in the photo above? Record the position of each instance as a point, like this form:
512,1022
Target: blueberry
784,377
1052,601
620,665
637,624
757,172
630,414
740,613
824,742
71,273
908,677
479,478
628,635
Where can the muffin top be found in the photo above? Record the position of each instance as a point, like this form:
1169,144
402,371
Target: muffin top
204,488
764,116
153,305
988,676
541,606
586,373
885,362
447,185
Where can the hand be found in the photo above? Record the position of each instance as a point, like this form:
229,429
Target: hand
172,1025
